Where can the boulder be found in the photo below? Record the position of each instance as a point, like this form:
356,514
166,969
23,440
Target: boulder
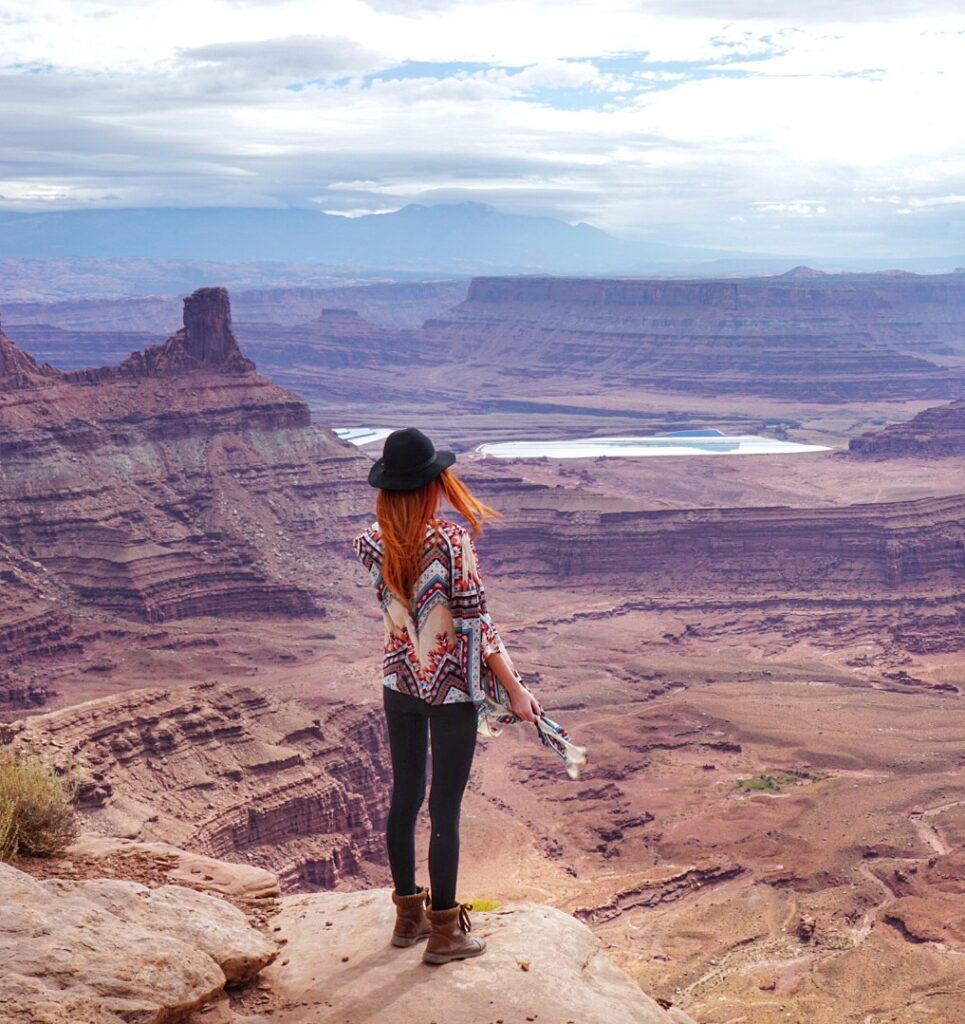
106,951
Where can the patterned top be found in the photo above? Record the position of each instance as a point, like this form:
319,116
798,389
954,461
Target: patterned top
436,649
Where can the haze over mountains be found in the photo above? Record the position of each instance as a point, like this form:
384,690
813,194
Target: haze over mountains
451,237
458,238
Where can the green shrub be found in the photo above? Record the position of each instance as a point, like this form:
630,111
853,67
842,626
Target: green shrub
36,807
758,782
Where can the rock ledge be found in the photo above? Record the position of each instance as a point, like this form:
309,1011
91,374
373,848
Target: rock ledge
540,964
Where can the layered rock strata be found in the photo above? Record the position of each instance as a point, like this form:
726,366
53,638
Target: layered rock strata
803,336
895,568
935,433
668,885
227,772
770,549
340,356
19,370
253,889
396,304
206,340
825,338
31,622
179,483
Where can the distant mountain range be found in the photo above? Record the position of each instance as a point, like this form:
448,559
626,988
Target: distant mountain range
457,239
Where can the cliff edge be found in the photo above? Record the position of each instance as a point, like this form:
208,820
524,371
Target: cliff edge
101,936
540,965
937,432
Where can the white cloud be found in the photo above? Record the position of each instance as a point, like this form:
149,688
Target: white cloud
285,59
410,8
798,207
563,74
815,10
713,138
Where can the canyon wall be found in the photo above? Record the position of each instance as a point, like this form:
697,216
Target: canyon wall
227,771
935,433
804,336
888,295
178,483
340,356
896,569
182,483
34,625
840,549
332,354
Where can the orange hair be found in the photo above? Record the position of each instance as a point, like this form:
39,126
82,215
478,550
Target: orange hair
403,516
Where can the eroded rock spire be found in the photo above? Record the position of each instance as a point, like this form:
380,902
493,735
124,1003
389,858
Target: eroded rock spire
205,341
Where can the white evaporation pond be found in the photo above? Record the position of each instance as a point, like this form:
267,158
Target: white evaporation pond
361,436
681,442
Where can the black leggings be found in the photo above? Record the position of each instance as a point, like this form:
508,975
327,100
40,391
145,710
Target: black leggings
453,745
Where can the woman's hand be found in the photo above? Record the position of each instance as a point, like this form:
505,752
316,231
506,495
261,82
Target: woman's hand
521,702
524,705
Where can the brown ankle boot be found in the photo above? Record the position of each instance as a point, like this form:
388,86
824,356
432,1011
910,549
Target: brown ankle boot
411,923
449,940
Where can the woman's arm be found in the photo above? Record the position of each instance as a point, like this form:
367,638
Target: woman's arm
472,600
523,704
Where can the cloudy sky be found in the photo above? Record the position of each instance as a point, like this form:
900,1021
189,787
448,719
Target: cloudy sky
727,123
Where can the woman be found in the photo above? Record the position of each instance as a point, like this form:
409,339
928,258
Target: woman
442,656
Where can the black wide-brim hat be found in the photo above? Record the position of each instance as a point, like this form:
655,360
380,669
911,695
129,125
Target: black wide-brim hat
409,461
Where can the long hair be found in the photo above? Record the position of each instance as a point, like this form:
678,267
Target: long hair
403,516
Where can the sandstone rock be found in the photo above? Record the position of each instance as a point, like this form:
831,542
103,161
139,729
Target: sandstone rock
238,882
929,919
540,962
823,337
34,623
666,884
88,324
206,340
891,569
106,951
170,479
222,1012
340,355
935,433
831,338
19,370
931,900
834,549
13,362
228,772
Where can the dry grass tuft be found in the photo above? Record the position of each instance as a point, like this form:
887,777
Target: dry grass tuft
36,807
484,904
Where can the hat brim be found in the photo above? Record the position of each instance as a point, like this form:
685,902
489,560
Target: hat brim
410,481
